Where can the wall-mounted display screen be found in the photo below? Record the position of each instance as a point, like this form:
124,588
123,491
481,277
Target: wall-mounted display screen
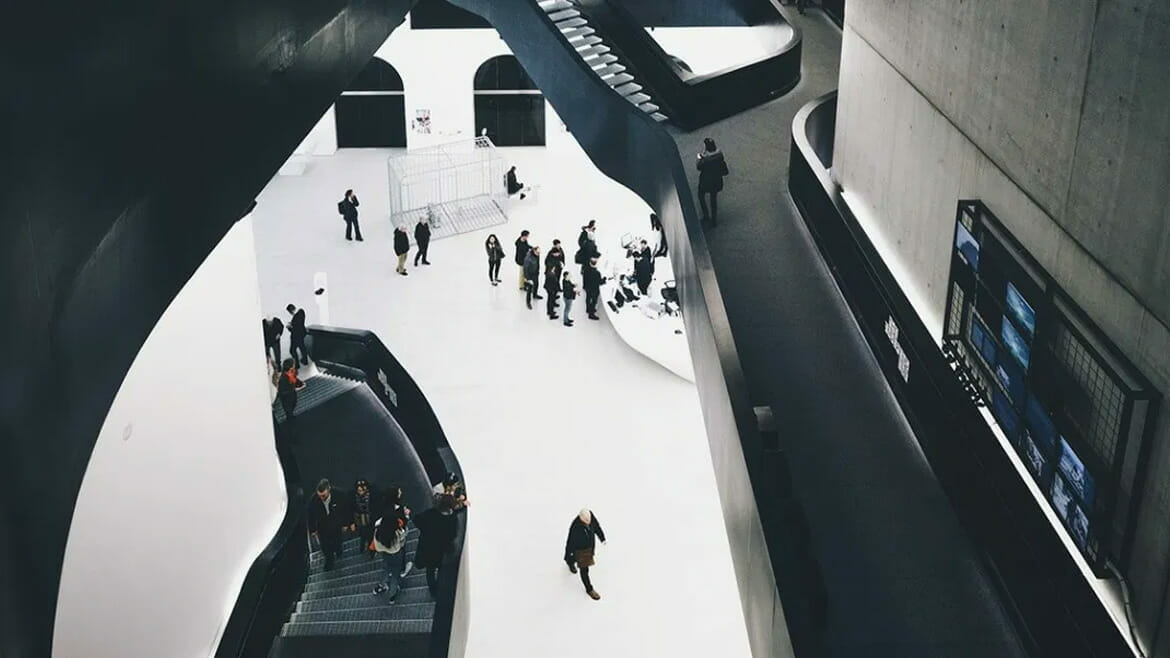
983,342
1011,378
966,245
1073,469
1040,425
1070,512
1021,310
1034,458
1001,408
1015,343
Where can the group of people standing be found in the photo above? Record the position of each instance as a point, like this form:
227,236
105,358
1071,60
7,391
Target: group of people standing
558,283
381,519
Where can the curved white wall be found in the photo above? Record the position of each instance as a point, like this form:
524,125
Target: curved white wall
183,488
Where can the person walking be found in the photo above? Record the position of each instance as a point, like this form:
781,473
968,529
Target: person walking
643,268
569,290
591,281
712,168
584,532
287,387
522,248
422,239
297,333
401,248
552,288
328,517
273,330
495,255
532,275
365,506
348,209
390,541
437,528
656,225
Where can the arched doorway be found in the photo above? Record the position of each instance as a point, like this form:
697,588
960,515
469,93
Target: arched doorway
508,104
372,111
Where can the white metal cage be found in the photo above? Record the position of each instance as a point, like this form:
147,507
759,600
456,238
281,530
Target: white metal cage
460,184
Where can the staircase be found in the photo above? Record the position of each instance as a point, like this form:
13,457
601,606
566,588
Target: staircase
575,28
318,390
339,615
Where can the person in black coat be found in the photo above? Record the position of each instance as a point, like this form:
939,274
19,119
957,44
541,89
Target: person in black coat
643,268
329,515
522,248
348,209
712,168
586,246
422,238
532,275
552,287
495,255
512,184
365,505
656,225
569,290
591,281
584,532
297,333
401,248
437,527
288,387
273,330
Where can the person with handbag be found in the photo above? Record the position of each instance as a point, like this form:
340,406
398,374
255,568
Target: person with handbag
366,504
712,168
390,541
495,254
584,532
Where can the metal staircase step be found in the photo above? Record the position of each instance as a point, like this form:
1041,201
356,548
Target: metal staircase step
601,61
621,79
364,582
554,5
608,70
352,556
628,88
578,33
356,628
361,564
396,610
658,116
570,23
586,42
638,98
592,52
648,108
406,596
351,544
563,14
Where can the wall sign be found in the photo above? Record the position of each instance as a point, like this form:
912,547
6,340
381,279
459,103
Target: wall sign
386,386
903,360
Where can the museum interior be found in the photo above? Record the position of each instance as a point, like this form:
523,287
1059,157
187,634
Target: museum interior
869,297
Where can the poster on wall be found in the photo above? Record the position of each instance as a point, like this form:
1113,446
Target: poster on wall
422,122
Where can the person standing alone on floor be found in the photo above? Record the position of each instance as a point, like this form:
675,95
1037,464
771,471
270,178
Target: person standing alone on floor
401,248
712,168
422,239
495,254
584,532
328,518
532,275
591,281
569,290
522,249
296,334
348,209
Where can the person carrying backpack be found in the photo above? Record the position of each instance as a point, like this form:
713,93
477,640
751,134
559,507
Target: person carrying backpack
347,208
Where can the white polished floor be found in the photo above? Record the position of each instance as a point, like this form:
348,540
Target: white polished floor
545,419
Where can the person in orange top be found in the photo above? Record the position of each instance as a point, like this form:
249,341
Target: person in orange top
287,386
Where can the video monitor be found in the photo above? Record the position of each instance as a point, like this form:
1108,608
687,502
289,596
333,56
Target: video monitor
1005,415
1062,497
1012,379
1036,460
1014,342
1078,476
1021,310
1078,525
967,246
1040,425
982,341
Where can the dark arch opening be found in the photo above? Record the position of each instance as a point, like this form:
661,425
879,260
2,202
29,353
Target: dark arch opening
371,112
378,75
502,72
509,107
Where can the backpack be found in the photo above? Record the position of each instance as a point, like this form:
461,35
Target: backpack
341,207
579,258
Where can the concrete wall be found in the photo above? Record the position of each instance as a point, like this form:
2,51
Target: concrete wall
1067,97
907,149
177,502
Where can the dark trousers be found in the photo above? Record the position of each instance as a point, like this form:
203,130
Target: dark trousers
298,344
643,284
433,580
330,546
367,534
550,303
275,349
352,227
591,297
493,270
584,571
289,404
421,252
714,210
531,291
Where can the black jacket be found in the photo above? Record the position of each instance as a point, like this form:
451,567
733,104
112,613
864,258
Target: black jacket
422,233
532,267
522,249
401,242
329,524
272,330
556,256
296,327
349,208
552,280
712,168
648,256
436,536
569,290
511,183
591,279
583,238
582,536
495,253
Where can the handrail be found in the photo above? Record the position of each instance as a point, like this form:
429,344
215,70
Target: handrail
693,101
275,579
362,350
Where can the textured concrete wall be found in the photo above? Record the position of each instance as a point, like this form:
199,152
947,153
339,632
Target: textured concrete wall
903,164
1067,97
